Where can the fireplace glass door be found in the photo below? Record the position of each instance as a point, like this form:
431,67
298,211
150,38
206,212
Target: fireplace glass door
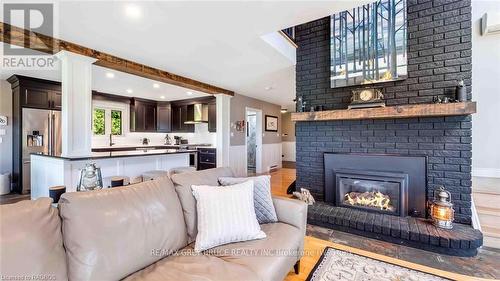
380,192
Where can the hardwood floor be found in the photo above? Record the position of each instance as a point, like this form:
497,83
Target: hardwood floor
485,265
13,198
281,180
486,195
314,247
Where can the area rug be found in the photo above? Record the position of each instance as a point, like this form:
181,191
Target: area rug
341,265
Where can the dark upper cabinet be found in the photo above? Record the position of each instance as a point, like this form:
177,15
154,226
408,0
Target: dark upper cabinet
212,117
176,118
150,117
36,93
38,98
56,99
179,116
34,97
142,115
164,117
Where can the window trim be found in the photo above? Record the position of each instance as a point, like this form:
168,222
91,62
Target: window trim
111,121
108,106
105,127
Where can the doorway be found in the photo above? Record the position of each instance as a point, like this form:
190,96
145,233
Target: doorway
253,141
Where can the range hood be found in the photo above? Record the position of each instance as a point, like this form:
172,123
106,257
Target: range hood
197,113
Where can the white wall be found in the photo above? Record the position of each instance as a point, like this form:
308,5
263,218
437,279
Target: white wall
288,150
6,143
271,156
486,91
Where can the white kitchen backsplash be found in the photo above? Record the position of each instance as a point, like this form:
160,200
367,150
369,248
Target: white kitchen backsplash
200,136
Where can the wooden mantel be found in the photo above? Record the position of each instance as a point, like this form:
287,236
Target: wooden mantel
388,112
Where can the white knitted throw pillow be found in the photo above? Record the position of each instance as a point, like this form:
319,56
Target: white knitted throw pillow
225,215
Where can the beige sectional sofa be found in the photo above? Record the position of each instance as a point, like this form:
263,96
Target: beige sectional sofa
140,232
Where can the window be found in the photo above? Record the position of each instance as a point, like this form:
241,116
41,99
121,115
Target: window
116,122
104,118
99,126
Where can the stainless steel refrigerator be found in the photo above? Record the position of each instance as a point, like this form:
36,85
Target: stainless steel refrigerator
41,133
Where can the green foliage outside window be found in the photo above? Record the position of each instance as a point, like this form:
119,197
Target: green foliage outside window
99,127
116,122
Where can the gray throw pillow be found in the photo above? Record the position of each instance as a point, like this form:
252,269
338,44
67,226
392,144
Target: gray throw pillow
263,202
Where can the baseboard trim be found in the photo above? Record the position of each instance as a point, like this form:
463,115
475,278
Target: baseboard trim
476,224
486,172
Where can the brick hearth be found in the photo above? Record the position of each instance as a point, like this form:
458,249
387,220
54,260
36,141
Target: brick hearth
462,240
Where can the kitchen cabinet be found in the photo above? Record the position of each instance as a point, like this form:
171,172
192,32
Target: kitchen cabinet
56,98
179,116
212,117
164,117
38,98
28,92
207,158
142,115
41,98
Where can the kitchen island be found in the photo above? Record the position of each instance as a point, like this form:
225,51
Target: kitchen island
48,171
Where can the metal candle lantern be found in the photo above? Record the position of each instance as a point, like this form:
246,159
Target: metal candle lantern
442,212
90,178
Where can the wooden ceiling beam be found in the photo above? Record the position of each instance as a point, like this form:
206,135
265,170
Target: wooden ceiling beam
31,40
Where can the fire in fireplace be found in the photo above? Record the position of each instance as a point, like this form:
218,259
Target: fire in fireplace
389,184
376,191
372,199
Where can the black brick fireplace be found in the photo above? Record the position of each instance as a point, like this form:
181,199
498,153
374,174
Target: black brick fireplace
439,54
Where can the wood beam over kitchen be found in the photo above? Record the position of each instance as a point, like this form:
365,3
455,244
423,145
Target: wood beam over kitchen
31,40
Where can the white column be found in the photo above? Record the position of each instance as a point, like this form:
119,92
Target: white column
76,104
223,103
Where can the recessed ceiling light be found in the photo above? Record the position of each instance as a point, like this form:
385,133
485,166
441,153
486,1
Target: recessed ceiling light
162,97
268,88
284,110
110,75
189,93
156,85
133,11
130,91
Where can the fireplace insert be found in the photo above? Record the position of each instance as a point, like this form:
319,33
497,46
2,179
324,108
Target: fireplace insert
381,183
374,191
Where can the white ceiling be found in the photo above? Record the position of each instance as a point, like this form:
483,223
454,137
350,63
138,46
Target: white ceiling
118,84
216,42
141,87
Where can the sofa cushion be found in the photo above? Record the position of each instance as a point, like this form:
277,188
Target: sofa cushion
183,184
225,215
263,203
189,266
271,258
31,241
111,233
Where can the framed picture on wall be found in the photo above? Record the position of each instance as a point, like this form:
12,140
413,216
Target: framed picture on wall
271,123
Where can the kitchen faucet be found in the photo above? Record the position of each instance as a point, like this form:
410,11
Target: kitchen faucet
111,143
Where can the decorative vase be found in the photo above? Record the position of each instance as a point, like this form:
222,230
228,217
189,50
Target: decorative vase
460,92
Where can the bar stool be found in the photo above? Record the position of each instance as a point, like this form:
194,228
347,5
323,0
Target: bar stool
152,175
119,181
55,193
